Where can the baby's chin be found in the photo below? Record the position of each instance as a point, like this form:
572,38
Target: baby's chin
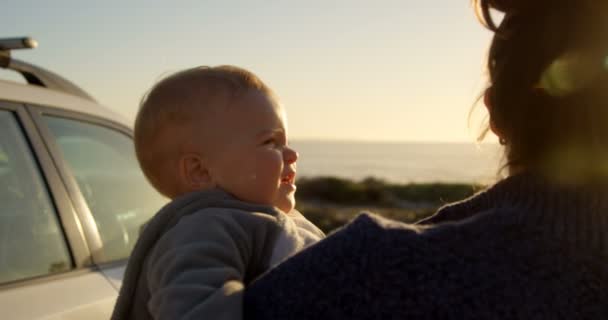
287,205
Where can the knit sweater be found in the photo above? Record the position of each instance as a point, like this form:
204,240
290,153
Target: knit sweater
197,253
523,249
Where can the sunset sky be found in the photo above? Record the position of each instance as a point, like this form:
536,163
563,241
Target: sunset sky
349,70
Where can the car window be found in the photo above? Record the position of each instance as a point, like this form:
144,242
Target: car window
31,241
103,162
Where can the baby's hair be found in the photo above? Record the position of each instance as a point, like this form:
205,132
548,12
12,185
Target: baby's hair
168,109
548,83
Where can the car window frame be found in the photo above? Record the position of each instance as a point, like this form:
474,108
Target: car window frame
86,218
60,201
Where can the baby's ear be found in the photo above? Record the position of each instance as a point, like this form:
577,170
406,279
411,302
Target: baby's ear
193,172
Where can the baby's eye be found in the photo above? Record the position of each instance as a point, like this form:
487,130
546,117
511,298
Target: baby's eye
270,141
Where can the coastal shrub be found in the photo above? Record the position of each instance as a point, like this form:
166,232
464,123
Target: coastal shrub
330,202
433,192
329,218
331,189
378,192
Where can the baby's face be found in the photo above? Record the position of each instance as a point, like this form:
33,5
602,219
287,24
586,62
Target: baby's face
252,160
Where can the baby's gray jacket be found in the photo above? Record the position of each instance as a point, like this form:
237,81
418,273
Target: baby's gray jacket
195,256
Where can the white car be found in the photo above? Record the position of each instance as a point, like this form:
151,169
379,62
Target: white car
72,196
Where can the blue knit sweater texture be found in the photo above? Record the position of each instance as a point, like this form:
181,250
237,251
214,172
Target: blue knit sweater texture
523,249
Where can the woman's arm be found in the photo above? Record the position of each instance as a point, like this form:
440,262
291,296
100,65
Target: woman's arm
337,278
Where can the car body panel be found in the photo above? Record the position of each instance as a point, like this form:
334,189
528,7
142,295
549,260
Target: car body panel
114,274
77,295
29,94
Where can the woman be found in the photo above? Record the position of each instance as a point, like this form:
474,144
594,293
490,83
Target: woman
533,245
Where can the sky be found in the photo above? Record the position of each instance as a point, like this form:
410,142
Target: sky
381,70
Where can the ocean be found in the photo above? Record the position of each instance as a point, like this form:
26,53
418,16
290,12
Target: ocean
400,162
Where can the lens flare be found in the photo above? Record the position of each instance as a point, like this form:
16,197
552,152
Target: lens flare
570,73
573,164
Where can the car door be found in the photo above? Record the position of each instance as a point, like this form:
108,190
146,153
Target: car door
46,270
99,166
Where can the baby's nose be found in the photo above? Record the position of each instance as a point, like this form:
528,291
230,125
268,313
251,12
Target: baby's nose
290,155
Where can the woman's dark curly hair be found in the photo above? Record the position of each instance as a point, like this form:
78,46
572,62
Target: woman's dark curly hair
548,83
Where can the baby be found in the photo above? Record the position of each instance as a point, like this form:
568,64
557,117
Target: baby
214,140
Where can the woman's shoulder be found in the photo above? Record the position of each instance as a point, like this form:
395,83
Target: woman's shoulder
482,236
369,223
369,229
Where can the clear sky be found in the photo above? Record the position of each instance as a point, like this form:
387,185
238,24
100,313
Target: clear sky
396,70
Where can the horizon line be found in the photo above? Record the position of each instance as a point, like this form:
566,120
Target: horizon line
355,140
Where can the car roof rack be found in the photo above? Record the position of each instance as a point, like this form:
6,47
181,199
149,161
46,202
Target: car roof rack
35,75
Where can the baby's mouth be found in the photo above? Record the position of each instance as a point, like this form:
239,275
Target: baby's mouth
289,178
